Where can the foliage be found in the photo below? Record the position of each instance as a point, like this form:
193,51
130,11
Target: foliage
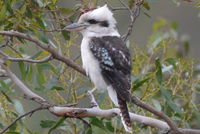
163,74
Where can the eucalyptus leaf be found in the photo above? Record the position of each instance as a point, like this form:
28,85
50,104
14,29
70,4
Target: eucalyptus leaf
169,100
96,122
47,123
158,71
57,124
18,106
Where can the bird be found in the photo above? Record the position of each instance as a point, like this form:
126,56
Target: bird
105,57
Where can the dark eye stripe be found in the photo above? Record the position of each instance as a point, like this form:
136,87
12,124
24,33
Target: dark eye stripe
104,23
92,21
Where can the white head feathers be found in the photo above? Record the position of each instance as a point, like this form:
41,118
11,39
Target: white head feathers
101,15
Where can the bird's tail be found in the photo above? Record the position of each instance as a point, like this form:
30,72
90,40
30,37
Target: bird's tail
125,115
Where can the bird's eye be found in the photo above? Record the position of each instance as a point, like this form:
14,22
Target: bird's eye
104,24
92,21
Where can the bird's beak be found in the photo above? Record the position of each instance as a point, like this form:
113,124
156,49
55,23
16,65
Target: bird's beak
76,26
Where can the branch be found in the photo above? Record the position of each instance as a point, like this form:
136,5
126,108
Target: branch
48,58
24,89
46,47
20,117
134,13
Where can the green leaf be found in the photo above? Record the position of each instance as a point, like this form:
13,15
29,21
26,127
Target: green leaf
4,85
45,66
2,13
135,78
158,71
156,104
13,127
186,46
30,72
174,25
66,34
52,82
7,97
57,124
162,22
40,3
96,122
171,61
22,69
88,130
54,1
197,114
36,55
146,5
66,10
109,126
197,87
28,12
131,3
1,125
57,88
176,2
40,23
42,37
18,4
18,106
47,123
139,84
169,100
40,78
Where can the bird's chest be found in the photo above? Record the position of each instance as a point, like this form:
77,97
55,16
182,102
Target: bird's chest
91,65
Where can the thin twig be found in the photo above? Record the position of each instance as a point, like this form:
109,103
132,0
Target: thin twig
134,13
7,57
46,59
76,57
20,117
85,122
6,42
118,8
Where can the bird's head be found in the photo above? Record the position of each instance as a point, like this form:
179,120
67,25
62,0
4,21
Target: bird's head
98,22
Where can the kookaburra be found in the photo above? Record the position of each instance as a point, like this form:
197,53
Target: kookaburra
105,57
